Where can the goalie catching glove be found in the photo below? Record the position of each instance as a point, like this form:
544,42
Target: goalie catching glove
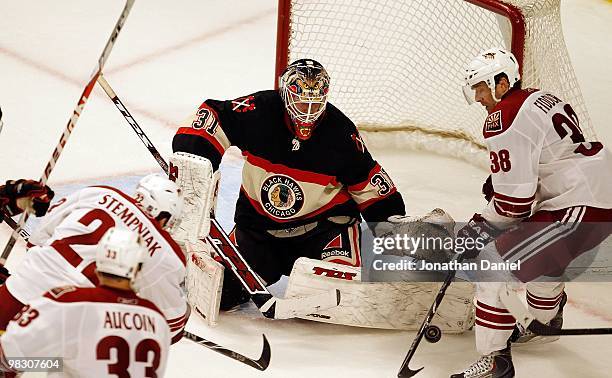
437,224
477,228
22,195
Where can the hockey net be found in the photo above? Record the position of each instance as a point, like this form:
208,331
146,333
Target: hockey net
396,67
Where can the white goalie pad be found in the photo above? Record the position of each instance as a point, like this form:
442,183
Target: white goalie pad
204,282
389,305
194,175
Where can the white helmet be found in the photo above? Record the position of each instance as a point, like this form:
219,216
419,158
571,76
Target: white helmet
157,195
485,67
120,253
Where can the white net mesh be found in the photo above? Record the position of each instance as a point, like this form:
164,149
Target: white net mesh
398,65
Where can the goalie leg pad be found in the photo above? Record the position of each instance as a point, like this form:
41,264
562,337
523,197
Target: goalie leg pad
204,282
390,305
194,175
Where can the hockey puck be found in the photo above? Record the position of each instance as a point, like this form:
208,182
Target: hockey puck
433,334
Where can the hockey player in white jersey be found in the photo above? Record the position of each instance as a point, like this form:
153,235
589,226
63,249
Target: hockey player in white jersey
64,247
550,201
100,331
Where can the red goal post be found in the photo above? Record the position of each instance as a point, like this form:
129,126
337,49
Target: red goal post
396,67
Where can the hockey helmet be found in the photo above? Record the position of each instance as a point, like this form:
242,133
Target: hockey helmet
304,86
121,253
485,67
157,195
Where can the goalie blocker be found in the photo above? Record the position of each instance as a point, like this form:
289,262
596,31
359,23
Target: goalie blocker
199,184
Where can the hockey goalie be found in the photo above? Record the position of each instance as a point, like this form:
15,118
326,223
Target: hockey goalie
308,181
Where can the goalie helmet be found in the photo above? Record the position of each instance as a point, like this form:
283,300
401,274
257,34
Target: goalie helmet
157,195
304,86
121,253
485,67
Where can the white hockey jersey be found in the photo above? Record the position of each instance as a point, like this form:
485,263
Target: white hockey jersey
99,332
74,226
540,159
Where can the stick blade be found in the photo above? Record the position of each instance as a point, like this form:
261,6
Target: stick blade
405,372
266,353
259,364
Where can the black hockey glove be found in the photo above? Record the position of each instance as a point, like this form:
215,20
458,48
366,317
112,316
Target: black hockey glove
479,233
40,195
487,189
4,274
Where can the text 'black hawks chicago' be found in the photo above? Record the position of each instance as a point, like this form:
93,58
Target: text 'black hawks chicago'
307,179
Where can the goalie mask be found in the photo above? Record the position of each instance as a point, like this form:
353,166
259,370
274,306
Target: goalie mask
304,86
159,197
485,67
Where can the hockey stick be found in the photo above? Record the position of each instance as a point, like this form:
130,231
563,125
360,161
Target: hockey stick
74,118
259,364
405,370
25,235
528,321
269,305
128,117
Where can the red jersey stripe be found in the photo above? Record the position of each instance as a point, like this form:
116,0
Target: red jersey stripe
202,133
298,174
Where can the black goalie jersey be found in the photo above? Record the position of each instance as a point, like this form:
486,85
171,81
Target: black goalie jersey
287,182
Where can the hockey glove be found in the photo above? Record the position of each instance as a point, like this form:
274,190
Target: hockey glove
37,195
487,189
436,225
4,274
477,233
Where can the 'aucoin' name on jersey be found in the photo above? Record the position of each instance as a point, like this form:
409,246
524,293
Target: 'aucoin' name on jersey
132,222
129,321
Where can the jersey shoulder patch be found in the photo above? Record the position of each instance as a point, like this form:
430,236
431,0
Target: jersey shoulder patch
244,104
505,112
57,292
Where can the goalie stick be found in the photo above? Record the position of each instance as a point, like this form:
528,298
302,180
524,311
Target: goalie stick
75,116
269,305
259,364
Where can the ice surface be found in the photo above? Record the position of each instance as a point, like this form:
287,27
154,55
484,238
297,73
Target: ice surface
170,57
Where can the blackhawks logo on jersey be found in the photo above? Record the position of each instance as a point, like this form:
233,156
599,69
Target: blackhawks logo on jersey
281,196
